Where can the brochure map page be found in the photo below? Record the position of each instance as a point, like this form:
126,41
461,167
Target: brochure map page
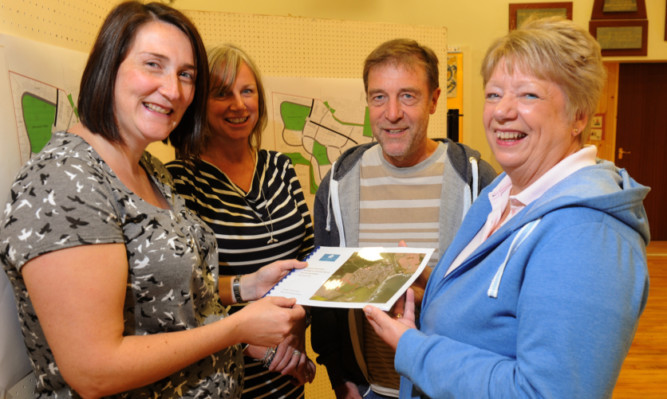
340,277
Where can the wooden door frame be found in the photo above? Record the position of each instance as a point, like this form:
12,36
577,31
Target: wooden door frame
607,108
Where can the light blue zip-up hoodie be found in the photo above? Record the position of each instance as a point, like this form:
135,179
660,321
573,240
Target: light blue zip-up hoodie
546,307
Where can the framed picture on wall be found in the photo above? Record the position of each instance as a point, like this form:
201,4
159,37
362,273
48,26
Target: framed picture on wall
597,128
519,12
619,9
620,37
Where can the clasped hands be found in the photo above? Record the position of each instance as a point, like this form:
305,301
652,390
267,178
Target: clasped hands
289,356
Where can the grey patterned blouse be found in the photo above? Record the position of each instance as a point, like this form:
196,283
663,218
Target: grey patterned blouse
68,196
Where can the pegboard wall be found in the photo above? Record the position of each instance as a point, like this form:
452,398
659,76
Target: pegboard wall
280,45
317,48
64,23
295,46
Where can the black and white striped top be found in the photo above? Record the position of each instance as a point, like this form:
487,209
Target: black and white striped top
270,222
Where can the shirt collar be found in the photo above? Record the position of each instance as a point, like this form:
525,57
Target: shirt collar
570,164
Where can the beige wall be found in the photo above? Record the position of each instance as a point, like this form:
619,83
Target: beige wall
471,26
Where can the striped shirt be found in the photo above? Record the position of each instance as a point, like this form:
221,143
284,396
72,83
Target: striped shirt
396,204
270,222
400,203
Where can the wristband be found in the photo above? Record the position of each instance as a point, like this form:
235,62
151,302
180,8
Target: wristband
236,288
268,357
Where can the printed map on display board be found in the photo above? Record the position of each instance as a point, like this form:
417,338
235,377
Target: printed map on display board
38,89
313,121
39,85
40,109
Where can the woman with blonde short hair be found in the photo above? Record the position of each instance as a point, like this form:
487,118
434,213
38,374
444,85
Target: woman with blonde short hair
540,293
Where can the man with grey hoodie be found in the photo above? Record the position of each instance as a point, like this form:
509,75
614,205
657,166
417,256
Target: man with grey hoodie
404,187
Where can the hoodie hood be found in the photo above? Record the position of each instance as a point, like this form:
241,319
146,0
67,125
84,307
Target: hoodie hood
465,161
603,187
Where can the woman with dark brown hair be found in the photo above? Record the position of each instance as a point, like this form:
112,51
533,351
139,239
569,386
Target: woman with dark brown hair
116,280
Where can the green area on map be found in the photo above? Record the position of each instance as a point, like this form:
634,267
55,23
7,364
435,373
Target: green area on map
38,116
294,115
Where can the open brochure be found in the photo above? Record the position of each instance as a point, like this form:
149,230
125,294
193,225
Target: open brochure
354,277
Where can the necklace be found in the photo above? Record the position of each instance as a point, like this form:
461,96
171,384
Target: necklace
256,211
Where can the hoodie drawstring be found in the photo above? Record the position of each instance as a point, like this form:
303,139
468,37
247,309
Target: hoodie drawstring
520,237
334,207
475,178
329,200
470,197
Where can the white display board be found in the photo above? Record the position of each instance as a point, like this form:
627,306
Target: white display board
38,87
